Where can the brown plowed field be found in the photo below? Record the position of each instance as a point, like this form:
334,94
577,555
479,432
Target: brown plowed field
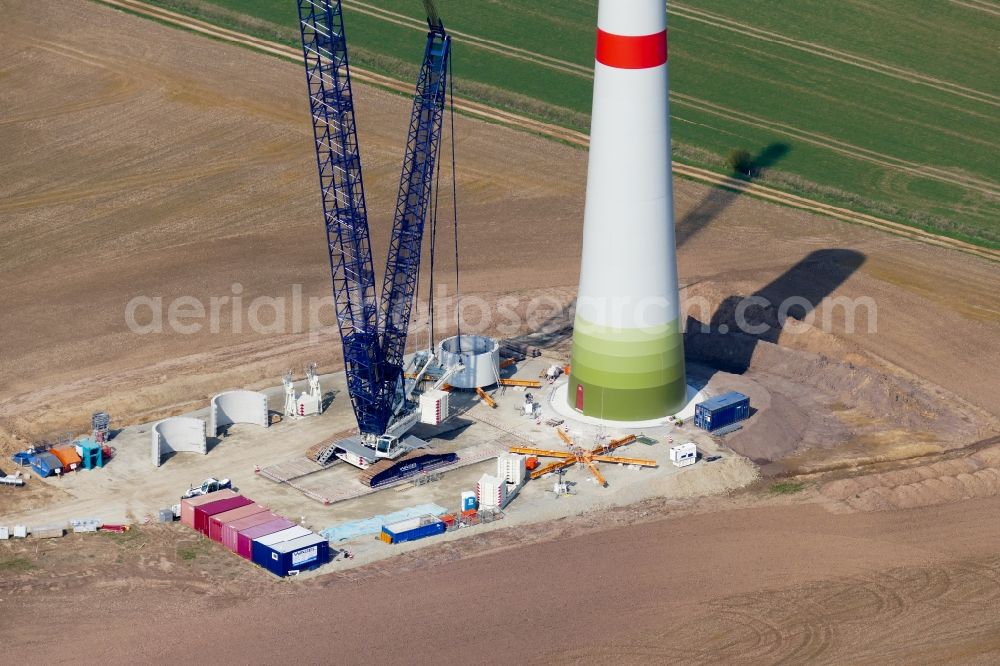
145,161
736,581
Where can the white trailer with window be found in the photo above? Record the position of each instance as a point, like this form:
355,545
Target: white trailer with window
683,455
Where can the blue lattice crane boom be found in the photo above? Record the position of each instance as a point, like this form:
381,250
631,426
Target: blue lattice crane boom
345,214
414,200
373,337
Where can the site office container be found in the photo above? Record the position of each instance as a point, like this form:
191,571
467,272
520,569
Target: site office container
188,505
262,545
204,512
412,529
244,540
216,522
721,411
231,531
306,552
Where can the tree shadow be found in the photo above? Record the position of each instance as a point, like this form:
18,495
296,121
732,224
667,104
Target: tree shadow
718,199
728,341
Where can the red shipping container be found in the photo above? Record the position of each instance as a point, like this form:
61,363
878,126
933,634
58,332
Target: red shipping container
231,531
216,522
188,505
203,513
244,546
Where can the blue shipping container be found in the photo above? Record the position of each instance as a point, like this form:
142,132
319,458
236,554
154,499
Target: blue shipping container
412,529
721,411
261,547
307,552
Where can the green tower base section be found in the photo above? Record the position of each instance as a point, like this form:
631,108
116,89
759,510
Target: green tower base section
627,374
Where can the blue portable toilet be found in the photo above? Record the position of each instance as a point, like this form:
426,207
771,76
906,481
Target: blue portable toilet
45,464
90,452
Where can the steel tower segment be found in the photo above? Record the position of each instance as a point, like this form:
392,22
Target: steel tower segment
338,160
415,185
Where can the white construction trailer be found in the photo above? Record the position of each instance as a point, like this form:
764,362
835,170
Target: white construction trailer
683,455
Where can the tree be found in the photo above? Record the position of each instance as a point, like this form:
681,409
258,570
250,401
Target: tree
741,162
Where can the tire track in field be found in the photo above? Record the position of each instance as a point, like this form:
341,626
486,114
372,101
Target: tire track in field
569,136
120,89
979,6
837,146
480,42
840,147
844,57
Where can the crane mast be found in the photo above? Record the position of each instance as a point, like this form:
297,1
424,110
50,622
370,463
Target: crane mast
373,331
422,146
345,214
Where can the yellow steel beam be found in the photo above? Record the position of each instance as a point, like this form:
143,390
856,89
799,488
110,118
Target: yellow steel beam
614,444
627,439
596,473
546,453
528,383
625,461
486,398
425,378
560,464
564,437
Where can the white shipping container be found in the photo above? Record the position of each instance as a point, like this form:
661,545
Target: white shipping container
284,535
20,531
47,531
4,533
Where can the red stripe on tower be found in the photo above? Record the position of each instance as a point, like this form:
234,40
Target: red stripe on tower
631,52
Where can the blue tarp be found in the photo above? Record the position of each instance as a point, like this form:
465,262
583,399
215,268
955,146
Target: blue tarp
373,525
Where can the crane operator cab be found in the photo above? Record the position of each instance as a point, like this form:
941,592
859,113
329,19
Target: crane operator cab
387,446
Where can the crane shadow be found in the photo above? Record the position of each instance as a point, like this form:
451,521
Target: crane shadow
718,199
727,342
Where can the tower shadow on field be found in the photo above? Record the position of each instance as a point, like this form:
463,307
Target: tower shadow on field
718,199
728,341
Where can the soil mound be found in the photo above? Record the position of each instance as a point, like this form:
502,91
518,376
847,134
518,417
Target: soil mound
977,475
